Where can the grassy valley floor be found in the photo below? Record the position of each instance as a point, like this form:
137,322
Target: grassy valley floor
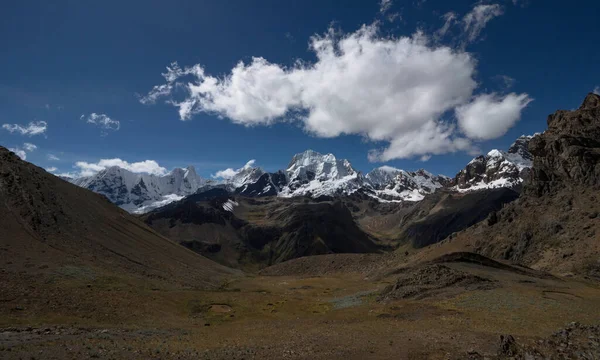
284,317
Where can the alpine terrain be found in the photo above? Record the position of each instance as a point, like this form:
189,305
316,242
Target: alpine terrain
311,174
302,262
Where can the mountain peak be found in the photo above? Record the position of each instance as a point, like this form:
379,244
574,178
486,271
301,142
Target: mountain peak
591,101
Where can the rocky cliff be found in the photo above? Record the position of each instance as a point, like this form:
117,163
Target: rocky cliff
568,153
554,224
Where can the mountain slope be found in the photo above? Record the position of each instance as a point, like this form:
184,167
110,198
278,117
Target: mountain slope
314,174
251,233
136,192
46,220
554,224
394,184
497,169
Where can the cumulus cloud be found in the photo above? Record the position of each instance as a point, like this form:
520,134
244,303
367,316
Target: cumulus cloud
476,19
19,152
146,166
29,147
31,129
51,169
102,121
387,89
597,90
22,151
53,157
230,172
490,116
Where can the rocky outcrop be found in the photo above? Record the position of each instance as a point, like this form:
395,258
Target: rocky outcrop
268,184
568,153
497,169
553,226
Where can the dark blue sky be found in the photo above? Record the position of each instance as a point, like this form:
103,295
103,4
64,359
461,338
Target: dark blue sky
71,58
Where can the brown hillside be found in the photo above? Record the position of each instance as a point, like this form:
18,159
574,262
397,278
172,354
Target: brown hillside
50,227
555,224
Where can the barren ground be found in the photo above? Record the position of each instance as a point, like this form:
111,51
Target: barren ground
80,313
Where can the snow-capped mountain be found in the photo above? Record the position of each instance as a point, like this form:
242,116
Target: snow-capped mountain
137,192
314,174
497,168
395,184
268,184
245,175
311,174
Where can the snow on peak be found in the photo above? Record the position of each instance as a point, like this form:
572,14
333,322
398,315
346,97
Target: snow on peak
141,192
391,184
316,174
495,154
497,169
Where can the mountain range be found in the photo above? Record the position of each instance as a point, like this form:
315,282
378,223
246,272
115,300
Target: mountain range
273,259
312,174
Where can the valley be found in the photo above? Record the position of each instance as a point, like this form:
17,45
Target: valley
314,262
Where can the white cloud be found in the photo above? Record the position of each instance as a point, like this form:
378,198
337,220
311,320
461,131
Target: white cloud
391,90
597,90
19,152
229,173
475,21
384,6
449,20
33,128
102,120
22,152
29,147
147,166
51,169
53,157
490,116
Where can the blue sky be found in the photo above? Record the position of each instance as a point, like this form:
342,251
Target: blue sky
73,58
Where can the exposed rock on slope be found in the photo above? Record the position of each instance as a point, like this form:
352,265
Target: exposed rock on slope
497,169
268,184
314,174
142,192
554,225
568,153
431,279
48,221
394,184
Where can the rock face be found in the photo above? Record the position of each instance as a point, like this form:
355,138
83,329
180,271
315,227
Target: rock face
568,153
554,224
133,191
268,184
314,174
394,184
497,168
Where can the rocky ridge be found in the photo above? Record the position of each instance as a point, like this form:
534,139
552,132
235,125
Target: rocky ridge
314,175
554,224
